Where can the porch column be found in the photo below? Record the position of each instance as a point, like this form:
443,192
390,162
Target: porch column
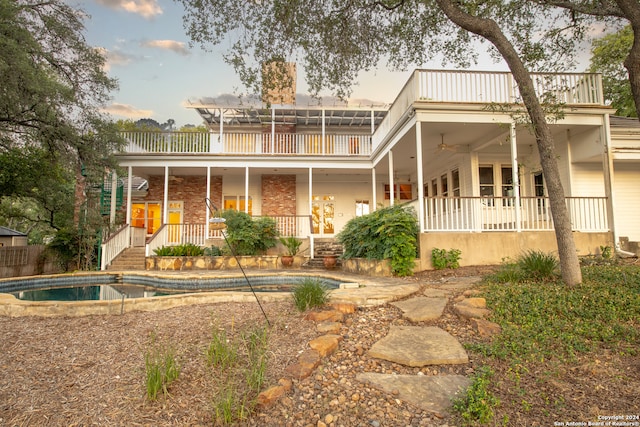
165,204
373,188
391,195
607,167
273,129
323,132
420,177
129,184
208,196
373,125
311,211
515,177
221,130
246,189
114,198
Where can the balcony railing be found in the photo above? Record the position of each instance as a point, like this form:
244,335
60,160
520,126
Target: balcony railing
478,87
588,214
247,143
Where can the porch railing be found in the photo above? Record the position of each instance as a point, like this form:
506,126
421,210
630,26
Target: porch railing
480,87
473,214
247,143
114,245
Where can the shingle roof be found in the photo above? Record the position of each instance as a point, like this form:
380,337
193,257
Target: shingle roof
7,232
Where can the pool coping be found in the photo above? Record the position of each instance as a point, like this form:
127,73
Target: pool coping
355,289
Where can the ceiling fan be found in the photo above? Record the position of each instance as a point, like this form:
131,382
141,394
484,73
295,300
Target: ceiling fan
445,147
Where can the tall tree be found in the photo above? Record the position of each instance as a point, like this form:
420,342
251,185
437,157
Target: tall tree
53,86
335,40
607,57
608,11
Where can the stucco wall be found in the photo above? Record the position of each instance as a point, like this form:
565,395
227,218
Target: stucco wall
492,248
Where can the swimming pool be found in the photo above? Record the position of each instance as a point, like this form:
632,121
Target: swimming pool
101,286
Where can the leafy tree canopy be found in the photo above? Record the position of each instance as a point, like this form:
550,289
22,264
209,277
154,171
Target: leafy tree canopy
607,56
335,40
52,87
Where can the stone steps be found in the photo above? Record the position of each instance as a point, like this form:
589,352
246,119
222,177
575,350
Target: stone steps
129,259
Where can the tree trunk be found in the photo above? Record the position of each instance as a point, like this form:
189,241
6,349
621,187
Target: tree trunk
631,10
487,28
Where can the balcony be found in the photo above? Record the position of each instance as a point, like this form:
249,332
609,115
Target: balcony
246,143
477,87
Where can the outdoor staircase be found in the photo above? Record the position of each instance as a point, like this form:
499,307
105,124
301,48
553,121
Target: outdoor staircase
322,248
129,259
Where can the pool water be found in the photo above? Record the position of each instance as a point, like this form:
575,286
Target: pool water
112,287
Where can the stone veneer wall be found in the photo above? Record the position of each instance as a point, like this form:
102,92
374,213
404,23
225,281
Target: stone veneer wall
191,190
278,195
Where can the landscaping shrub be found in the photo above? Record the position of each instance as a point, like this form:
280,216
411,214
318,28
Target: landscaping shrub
387,233
186,249
442,258
311,293
247,236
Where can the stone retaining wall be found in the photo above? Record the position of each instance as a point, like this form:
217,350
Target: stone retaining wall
367,267
185,263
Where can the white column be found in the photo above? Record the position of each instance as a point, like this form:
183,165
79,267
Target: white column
607,166
420,177
310,211
515,177
208,196
323,132
273,129
221,130
246,189
391,184
373,126
165,204
373,188
129,184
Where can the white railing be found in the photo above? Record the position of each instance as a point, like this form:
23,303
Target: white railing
166,142
250,143
293,225
114,245
198,234
588,214
488,87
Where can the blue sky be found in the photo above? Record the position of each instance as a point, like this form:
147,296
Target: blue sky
148,52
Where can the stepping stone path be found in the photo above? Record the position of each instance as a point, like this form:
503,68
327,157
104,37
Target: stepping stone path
414,346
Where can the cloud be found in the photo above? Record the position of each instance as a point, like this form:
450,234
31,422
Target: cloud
172,45
128,111
146,8
116,58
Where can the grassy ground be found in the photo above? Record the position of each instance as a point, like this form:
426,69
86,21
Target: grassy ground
565,354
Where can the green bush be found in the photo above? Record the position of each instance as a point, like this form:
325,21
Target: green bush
247,236
442,258
186,249
213,250
536,265
478,403
530,266
387,233
310,293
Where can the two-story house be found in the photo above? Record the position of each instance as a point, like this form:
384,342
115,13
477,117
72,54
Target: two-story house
449,144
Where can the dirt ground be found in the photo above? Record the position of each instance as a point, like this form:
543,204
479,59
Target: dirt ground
90,371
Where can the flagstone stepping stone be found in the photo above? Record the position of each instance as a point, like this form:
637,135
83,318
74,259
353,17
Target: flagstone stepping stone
460,283
419,346
421,309
430,393
435,293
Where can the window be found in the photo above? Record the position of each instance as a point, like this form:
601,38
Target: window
362,207
434,187
445,185
237,203
486,181
400,191
507,182
455,182
538,184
